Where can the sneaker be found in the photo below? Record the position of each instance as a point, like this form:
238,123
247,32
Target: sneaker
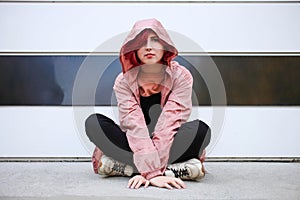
188,170
111,167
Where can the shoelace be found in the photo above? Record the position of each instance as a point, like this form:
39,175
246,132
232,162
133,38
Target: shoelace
179,173
119,168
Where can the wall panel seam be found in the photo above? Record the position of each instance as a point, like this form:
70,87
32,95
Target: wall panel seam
154,2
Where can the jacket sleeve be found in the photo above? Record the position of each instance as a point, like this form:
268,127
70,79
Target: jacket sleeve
176,111
131,117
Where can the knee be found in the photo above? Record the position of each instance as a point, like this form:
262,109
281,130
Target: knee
93,122
204,130
94,118
90,120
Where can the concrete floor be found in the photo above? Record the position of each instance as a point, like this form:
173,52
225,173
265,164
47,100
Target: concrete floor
76,181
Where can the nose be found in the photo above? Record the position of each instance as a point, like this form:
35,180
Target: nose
148,46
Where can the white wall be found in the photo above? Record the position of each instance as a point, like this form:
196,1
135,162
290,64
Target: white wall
71,27
54,131
216,27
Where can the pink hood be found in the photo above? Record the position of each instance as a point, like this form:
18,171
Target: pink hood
137,28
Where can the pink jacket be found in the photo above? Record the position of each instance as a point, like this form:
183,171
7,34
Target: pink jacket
151,155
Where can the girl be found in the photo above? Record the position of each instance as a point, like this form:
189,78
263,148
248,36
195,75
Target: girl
154,142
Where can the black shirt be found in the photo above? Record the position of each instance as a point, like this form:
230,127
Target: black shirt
151,109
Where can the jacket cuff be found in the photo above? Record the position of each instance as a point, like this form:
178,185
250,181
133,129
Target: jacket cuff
153,174
147,162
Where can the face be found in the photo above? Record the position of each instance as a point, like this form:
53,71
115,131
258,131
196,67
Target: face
152,51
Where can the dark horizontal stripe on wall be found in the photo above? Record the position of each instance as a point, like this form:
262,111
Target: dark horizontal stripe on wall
50,80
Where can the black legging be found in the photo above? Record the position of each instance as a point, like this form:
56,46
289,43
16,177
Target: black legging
189,141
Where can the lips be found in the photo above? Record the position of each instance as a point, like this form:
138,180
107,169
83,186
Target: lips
149,55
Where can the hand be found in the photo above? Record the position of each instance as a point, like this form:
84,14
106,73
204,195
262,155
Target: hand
136,181
167,182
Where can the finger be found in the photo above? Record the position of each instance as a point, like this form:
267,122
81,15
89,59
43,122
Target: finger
176,185
130,182
168,186
138,184
147,184
180,182
134,183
